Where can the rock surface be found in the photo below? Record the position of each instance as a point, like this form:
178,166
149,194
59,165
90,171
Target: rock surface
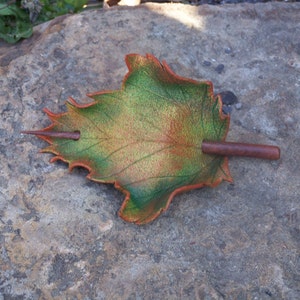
60,235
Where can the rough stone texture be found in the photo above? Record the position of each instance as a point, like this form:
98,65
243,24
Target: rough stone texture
60,235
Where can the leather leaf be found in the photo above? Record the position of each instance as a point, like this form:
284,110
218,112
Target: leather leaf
146,137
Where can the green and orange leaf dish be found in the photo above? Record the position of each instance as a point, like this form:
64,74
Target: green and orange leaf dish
145,138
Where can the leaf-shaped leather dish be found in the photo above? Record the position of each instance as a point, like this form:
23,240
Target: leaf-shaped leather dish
145,138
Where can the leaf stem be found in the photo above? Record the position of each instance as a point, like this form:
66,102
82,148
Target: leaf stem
241,149
75,135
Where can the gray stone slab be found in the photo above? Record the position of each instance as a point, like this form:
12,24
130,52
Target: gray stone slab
60,235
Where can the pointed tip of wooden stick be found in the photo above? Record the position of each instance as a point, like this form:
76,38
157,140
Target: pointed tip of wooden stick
56,134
